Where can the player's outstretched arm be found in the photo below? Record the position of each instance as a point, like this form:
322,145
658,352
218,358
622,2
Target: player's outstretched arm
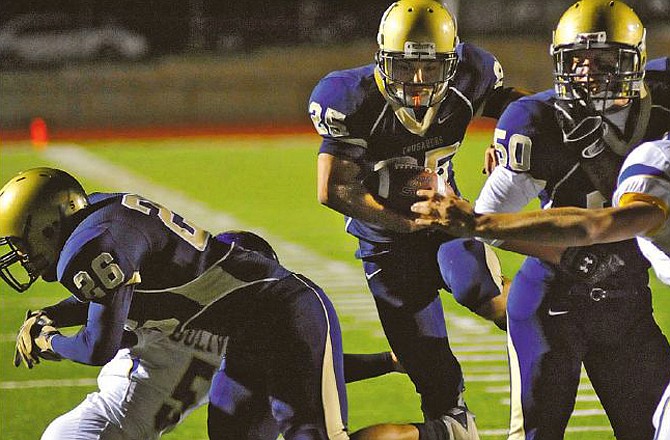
99,340
573,226
366,366
557,226
67,313
340,188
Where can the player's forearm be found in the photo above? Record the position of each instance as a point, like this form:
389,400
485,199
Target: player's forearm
571,226
86,347
361,205
339,188
99,340
67,313
562,227
365,366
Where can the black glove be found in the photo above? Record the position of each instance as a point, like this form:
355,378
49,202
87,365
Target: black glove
582,126
590,265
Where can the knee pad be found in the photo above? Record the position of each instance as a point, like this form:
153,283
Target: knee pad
471,271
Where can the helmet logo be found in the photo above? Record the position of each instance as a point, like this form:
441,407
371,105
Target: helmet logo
591,37
419,50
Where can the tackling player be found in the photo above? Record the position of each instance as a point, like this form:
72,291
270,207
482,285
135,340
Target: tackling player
589,305
412,105
152,386
137,264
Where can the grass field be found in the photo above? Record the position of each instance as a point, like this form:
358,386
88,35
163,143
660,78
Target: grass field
265,184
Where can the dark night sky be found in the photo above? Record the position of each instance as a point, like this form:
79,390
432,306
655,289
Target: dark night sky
171,24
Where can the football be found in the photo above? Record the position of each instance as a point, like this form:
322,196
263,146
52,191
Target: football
394,184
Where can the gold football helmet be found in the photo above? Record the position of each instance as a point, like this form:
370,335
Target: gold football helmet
599,51
417,52
34,210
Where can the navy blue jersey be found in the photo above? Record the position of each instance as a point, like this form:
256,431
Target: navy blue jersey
178,269
357,123
529,141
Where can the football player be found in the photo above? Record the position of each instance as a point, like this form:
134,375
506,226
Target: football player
139,265
589,305
152,386
641,208
413,104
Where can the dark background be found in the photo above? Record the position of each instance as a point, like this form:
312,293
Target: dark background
177,26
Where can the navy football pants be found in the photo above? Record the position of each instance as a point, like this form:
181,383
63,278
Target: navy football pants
550,335
282,369
405,277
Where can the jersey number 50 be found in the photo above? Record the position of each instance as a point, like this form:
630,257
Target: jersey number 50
516,156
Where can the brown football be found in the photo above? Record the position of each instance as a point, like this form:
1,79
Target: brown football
394,185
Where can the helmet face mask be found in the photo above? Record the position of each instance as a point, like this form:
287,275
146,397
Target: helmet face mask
599,54
417,53
606,75
416,80
15,267
37,206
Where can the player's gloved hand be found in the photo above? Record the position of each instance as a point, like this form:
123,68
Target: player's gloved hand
582,126
590,265
34,339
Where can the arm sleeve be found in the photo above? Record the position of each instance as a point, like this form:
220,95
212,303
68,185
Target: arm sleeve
507,191
332,108
659,260
366,366
68,313
101,337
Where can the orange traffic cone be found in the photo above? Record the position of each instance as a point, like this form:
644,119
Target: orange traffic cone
38,133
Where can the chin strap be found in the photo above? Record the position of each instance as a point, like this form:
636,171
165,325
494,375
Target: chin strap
636,126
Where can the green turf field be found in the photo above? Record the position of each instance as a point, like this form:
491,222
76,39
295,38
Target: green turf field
266,184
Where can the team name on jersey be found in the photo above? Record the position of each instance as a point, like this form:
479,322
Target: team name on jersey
200,340
426,144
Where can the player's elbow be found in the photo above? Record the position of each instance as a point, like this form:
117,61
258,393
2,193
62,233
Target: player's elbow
101,353
323,194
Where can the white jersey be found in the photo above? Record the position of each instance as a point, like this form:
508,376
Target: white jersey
145,390
645,175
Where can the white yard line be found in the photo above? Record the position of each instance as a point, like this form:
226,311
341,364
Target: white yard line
47,383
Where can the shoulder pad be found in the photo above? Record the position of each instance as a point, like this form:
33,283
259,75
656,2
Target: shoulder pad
489,70
343,90
93,264
658,64
524,129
